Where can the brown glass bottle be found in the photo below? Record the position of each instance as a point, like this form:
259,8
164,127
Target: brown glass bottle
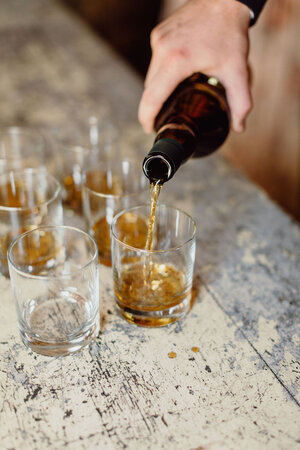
193,122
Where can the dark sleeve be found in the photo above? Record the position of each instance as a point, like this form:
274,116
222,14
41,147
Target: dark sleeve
255,6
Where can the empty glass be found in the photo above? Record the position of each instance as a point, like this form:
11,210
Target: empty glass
28,198
106,190
54,277
154,288
21,148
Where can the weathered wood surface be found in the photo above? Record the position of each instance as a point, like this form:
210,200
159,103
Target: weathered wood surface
241,390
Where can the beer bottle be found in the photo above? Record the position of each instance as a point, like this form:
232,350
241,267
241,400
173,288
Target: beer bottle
193,122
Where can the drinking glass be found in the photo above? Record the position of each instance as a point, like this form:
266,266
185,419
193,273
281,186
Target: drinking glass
73,161
82,145
28,198
154,287
94,133
106,190
54,277
21,148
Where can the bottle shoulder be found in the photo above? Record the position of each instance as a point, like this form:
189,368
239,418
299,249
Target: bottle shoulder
192,100
193,122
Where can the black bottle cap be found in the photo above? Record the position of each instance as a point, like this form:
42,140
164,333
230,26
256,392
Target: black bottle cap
165,157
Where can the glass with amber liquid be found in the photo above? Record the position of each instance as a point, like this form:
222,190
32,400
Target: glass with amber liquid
82,144
73,161
153,287
107,189
29,198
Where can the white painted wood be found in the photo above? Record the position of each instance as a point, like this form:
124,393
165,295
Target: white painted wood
241,390
124,391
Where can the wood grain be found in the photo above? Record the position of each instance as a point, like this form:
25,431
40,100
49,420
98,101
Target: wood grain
241,390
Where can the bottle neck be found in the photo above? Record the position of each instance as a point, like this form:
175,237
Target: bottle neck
165,157
157,168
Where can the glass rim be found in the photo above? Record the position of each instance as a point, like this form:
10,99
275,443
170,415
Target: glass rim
93,258
100,121
112,196
35,171
174,208
23,131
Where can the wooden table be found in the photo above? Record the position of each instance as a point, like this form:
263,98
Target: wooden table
241,390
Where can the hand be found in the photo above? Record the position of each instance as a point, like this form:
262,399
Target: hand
209,36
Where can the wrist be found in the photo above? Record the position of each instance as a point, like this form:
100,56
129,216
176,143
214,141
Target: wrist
255,7
234,11
242,12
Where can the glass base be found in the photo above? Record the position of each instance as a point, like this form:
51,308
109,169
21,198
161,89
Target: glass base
60,348
154,318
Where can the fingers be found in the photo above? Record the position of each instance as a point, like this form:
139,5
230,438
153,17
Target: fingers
155,94
157,55
155,64
161,82
238,95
